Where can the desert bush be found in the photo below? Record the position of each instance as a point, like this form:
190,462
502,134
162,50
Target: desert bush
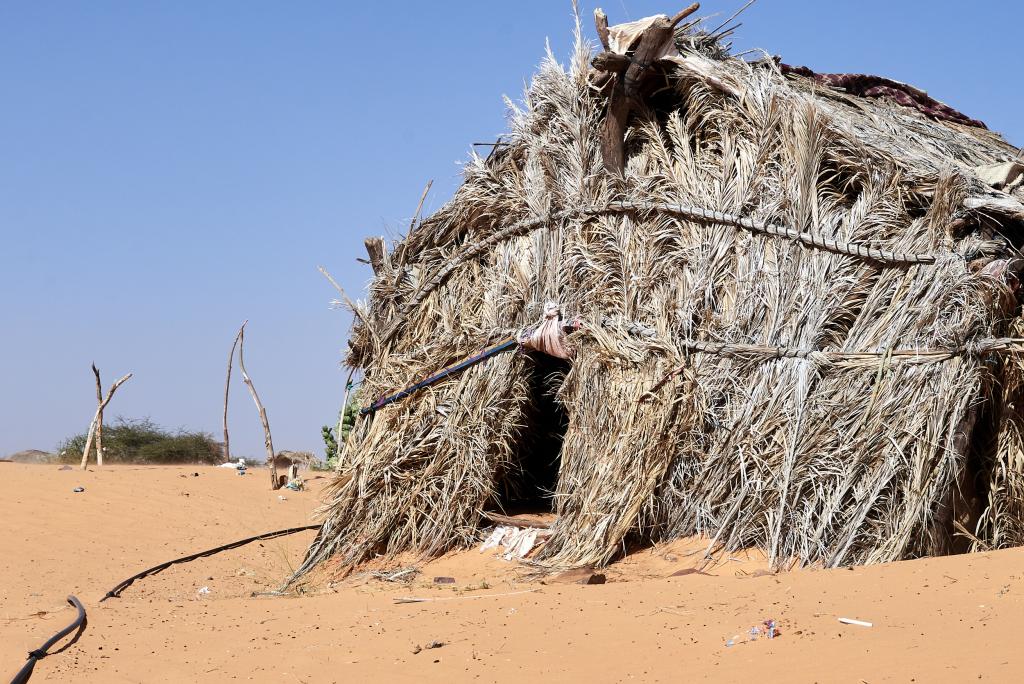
140,440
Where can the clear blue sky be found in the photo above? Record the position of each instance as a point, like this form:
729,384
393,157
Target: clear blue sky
168,169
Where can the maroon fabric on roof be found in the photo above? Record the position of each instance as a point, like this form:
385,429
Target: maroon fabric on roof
864,85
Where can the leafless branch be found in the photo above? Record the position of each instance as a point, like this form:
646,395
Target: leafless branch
98,418
268,441
227,387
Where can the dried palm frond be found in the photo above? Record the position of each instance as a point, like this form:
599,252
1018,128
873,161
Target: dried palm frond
842,453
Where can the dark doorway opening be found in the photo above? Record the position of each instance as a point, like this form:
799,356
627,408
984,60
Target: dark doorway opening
530,484
970,494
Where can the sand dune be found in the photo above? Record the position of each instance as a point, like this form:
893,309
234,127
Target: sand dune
948,619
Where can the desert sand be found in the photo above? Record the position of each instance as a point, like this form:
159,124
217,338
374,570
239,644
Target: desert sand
951,619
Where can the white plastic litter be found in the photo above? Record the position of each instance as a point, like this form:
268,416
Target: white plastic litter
495,538
517,542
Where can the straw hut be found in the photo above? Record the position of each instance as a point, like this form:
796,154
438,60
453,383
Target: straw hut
789,303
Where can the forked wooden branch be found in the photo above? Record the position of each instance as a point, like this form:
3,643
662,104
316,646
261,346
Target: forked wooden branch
685,13
268,441
629,74
98,416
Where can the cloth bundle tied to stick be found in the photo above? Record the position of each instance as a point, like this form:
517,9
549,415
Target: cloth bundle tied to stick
548,337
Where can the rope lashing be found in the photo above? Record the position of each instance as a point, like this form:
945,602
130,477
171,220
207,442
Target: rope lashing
755,226
547,338
697,214
518,228
838,359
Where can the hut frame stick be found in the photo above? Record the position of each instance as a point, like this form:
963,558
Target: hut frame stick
698,214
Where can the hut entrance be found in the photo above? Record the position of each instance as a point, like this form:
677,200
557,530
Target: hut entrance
531,483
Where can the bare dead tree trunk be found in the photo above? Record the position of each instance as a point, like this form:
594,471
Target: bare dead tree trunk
227,388
98,417
268,441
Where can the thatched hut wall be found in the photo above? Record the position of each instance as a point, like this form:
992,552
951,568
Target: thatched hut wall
823,403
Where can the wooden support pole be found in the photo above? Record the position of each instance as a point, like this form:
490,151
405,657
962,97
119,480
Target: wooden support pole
227,388
629,75
98,416
268,441
613,134
375,249
601,23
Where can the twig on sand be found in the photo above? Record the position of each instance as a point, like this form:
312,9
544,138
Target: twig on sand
412,599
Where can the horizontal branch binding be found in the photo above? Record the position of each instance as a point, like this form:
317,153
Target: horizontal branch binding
709,216
525,226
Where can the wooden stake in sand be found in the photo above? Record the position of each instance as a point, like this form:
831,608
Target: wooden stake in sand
97,419
268,441
227,387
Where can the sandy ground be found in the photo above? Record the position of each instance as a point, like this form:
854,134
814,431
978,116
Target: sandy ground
938,620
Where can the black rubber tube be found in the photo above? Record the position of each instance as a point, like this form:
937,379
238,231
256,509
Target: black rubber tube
124,584
26,671
34,656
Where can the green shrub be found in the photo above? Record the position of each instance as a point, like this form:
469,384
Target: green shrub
348,421
128,440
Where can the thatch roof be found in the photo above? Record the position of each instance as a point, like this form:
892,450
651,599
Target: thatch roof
792,307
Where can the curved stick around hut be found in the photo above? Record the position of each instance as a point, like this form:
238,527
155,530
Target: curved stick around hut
881,257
